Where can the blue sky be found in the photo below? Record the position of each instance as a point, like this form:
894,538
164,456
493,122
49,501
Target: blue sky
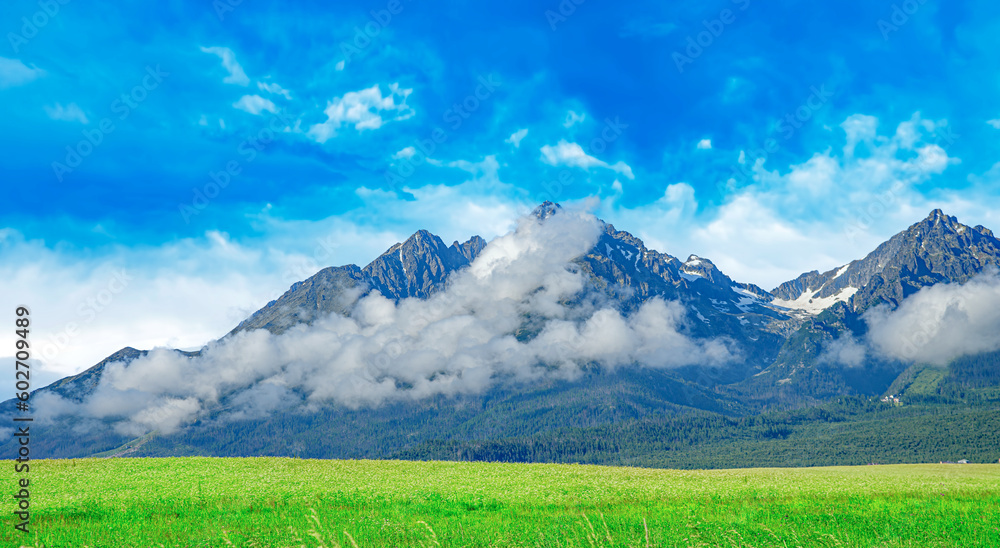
216,152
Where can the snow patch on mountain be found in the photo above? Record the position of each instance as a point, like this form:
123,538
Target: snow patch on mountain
808,301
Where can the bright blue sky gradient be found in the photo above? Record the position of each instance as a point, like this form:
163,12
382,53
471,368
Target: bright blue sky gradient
588,106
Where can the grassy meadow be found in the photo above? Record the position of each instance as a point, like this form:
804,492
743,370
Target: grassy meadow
277,502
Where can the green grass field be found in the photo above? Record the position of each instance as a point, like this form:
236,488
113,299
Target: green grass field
270,502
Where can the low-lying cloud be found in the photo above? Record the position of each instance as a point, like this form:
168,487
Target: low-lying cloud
940,323
845,350
523,311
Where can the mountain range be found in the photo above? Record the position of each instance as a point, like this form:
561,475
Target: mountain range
706,354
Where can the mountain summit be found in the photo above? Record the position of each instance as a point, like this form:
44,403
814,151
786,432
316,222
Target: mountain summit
934,250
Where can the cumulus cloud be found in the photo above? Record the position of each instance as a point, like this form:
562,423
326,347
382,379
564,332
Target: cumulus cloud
364,109
458,341
940,323
236,74
405,152
516,137
255,104
13,72
705,144
68,113
571,154
851,198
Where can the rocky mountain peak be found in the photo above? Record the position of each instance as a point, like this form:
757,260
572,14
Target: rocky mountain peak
546,210
938,222
471,248
423,239
937,249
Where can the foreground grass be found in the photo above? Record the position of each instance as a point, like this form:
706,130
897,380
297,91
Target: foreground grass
270,502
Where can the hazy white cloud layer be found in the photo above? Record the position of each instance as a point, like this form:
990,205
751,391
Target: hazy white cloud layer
940,323
933,326
459,341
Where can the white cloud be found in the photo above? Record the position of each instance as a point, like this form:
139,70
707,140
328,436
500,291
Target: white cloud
340,65
995,123
407,152
69,113
13,72
940,323
236,74
274,88
255,104
572,118
572,154
516,137
364,109
705,144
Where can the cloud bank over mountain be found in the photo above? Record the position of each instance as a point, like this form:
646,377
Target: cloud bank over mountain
523,311
940,323
935,326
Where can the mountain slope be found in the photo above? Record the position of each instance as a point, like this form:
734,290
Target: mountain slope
936,250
